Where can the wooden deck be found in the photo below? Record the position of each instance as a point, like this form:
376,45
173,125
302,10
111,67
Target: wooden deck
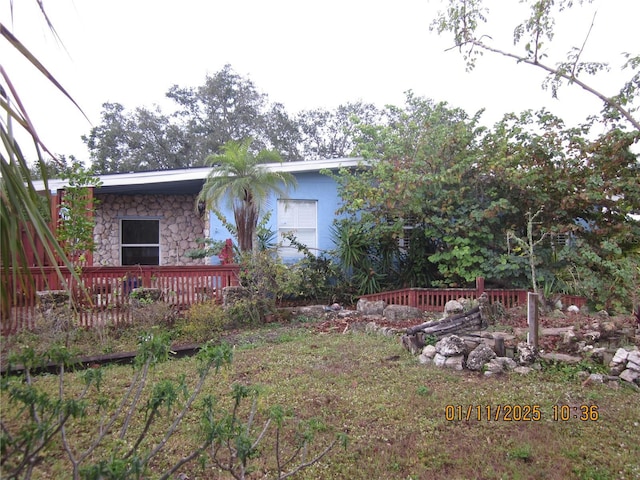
104,293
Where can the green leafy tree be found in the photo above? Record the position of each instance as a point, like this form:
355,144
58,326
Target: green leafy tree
585,193
227,107
331,133
532,40
239,181
422,177
138,141
75,227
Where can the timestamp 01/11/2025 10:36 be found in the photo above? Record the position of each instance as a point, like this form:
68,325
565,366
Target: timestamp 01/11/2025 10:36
520,413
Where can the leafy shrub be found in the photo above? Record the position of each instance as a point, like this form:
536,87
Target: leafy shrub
251,310
203,322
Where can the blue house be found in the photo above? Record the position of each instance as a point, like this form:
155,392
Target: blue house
307,211
150,218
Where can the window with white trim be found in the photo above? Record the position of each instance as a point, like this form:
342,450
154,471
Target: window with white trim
139,241
299,217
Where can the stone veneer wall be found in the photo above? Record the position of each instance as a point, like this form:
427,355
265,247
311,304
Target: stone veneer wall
180,226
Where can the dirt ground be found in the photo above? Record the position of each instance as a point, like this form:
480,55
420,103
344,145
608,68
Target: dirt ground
625,328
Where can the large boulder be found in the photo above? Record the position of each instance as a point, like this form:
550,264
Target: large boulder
452,307
479,356
526,354
396,313
369,307
451,346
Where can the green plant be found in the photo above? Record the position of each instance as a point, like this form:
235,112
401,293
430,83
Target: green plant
203,322
314,277
521,452
233,443
126,452
239,180
423,391
207,247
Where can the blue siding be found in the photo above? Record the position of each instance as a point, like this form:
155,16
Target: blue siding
311,186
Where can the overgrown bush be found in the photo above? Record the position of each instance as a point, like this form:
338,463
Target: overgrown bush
203,322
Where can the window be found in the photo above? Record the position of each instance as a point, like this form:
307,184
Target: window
301,218
409,223
140,242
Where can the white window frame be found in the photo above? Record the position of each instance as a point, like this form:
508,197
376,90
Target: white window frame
294,225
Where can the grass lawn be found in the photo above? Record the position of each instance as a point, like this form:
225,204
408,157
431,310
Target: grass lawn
403,420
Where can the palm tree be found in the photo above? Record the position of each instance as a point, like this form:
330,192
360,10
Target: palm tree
240,181
21,208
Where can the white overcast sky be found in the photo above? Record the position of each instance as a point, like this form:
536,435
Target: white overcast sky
302,53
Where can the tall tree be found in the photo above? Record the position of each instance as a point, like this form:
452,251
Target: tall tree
422,179
138,141
239,181
226,107
331,133
533,37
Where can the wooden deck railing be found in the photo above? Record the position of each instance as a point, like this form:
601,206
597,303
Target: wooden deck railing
434,299
104,293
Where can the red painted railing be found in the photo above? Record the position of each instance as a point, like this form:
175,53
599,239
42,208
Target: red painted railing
434,299
104,293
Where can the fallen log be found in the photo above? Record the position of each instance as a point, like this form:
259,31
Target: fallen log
472,318
475,319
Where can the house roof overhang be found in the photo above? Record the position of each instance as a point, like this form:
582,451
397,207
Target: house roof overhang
187,181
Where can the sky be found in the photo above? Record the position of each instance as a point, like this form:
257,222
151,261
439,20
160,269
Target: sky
304,54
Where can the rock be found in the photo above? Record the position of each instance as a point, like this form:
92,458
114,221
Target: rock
561,357
620,357
592,335
494,367
439,360
371,327
598,354
633,366
596,378
526,353
569,337
573,309
603,314
629,375
608,328
429,351
616,369
424,360
396,313
452,307
506,362
455,363
451,346
523,370
471,343
634,357
367,307
479,356
311,311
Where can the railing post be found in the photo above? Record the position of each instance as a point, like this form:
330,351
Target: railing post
479,286
532,319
